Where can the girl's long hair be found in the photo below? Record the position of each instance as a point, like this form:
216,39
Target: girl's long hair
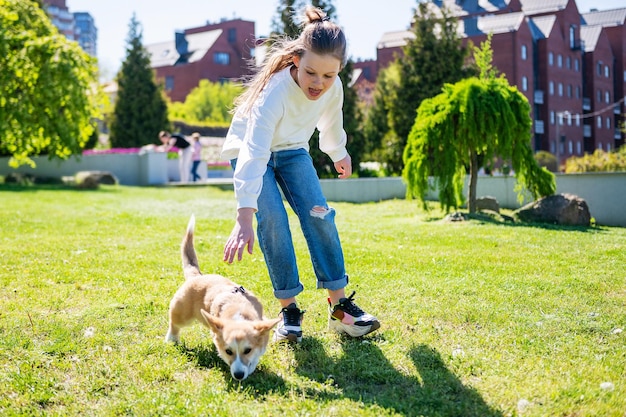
319,35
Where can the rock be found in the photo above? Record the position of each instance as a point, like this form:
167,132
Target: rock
91,179
562,209
487,203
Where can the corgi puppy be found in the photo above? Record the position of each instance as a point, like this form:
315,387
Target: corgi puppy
233,314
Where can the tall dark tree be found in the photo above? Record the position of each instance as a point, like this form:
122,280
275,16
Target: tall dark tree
140,111
285,22
435,56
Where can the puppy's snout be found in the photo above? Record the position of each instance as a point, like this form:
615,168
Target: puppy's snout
239,375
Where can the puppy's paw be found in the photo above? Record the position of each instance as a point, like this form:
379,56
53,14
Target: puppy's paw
170,338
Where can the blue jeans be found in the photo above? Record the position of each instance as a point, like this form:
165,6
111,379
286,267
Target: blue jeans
293,172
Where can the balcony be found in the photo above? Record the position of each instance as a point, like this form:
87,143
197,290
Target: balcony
586,104
616,109
539,129
539,97
587,131
617,134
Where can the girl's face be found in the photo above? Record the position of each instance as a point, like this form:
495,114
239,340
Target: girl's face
315,74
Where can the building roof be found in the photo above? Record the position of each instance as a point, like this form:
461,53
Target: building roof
530,7
483,25
606,18
470,7
395,39
589,36
164,54
541,26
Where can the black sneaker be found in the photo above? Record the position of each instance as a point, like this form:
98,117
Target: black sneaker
290,328
347,317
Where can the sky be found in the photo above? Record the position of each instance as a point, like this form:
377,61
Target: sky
364,21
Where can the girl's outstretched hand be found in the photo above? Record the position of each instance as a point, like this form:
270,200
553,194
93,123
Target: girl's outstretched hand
344,167
241,236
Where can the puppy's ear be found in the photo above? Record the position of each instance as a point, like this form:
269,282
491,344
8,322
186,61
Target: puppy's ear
266,325
213,322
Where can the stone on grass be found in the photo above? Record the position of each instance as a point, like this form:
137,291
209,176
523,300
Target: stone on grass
561,209
487,203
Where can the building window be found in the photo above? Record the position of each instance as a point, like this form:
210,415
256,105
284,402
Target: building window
550,58
560,90
578,148
568,62
599,121
599,68
569,90
577,67
599,96
232,35
551,88
577,91
572,37
607,97
608,122
569,119
221,58
625,76
559,61
606,71
578,120
570,147
524,84
524,52
552,117
169,82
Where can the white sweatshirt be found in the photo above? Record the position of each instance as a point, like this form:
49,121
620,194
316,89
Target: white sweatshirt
282,118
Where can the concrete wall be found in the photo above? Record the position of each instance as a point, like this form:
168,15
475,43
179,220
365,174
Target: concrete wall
605,192
130,169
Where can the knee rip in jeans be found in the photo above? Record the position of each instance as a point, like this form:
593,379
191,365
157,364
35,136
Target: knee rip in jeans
320,212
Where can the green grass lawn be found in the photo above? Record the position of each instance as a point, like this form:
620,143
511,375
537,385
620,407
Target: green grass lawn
478,318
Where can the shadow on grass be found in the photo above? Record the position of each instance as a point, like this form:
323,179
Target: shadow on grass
503,220
363,374
261,379
33,188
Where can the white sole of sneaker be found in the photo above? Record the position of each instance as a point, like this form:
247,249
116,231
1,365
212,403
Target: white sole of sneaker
354,331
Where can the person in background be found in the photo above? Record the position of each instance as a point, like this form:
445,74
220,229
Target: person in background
170,141
196,156
296,90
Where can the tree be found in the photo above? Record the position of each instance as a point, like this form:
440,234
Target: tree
381,141
476,117
140,111
37,116
207,103
433,57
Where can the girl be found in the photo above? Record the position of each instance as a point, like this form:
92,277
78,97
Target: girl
296,90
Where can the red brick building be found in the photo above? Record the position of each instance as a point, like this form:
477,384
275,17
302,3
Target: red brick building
571,67
215,52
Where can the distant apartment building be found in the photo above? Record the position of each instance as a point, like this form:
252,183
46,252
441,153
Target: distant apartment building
570,66
78,26
216,52
86,32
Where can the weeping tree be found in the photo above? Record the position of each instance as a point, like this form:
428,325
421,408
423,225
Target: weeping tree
479,118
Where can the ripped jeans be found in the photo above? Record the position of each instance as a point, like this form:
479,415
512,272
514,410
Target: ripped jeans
293,172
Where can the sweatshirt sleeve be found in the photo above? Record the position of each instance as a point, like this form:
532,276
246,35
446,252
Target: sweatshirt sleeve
255,152
333,137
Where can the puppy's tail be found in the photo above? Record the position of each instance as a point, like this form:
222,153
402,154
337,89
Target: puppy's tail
190,260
